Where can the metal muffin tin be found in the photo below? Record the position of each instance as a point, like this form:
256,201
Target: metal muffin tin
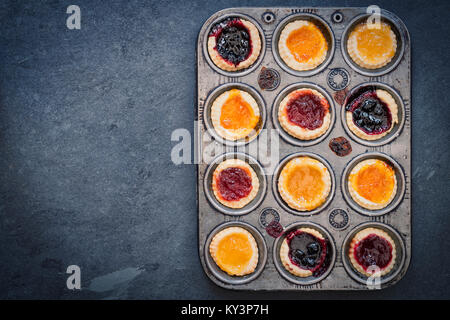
340,217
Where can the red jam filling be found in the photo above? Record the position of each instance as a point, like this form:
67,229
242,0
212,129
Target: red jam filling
369,113
373,250
234,184
233,41
306,110
308,252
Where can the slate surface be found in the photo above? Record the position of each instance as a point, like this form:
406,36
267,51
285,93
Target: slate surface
86,118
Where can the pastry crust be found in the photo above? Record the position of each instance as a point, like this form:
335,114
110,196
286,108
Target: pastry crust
288,57
286,261
360,236
225,65
216,111
238,270
371,62
297,131
363,202
385,97
304,204
233,163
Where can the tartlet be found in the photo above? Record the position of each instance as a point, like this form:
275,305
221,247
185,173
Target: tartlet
235,114
304,183
235,183
302,46
304,114
372,46
372,184
304,252
372,250
234,44
235,251
371,113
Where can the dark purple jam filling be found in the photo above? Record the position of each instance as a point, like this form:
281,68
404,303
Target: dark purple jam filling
309,252
233,41
373,250
370,114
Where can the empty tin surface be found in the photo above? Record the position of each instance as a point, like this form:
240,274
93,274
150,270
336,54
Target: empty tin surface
339,217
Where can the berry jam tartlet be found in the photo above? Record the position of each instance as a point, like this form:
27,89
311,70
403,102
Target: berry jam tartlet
372,46
235,114
305,252
371,113
304,183
302,45
235,251
372,184
304,114
234,44
235,183
370,249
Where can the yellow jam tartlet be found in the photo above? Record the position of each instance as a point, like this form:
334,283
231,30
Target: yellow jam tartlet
372,184
235,183
302,46
235,251
304,183
235,114
372,46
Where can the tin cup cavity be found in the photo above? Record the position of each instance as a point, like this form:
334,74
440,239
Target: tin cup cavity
242,72
323,27
217,92
399,175
259,173
399,247
222,275
396,130
397,27
276,104
276,176
279,265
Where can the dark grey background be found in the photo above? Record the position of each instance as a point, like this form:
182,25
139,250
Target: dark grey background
86,118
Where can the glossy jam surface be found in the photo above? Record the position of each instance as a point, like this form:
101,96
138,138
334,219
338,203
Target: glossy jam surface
308,252
375,182
369,113
305,43
234,183
305,183
234,252
340,146
274,229
233,41
373,250
307,110
237,113
375,44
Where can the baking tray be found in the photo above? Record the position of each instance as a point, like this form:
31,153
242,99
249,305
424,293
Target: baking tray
339,218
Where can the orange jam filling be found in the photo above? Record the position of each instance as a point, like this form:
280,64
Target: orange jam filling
234,253
237,113
305,183
375,43
375,182
305,43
